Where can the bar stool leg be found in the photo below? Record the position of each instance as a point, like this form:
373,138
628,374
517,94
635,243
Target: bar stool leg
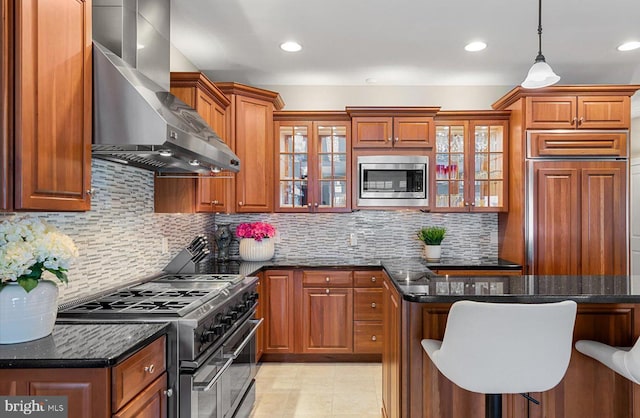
493,405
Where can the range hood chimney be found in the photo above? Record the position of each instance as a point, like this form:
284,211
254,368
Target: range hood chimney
136,120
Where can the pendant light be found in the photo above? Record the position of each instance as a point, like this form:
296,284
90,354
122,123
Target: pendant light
540,74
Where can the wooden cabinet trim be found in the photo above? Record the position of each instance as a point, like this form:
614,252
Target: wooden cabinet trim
6,101
310,115
200,81
138,371
390,111
231,88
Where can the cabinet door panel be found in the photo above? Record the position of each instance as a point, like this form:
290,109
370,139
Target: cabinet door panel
150,403
6,107
604,218
327,320
53,105
603,112
412,132
556,112
391,361
279,312
254,146
372,132
557,219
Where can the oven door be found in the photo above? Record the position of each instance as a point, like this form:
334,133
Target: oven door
238,392
200,390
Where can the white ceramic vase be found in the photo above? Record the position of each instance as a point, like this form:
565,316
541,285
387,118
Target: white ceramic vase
27,316
432,252
252,250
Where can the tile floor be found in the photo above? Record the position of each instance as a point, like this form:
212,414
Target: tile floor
318,390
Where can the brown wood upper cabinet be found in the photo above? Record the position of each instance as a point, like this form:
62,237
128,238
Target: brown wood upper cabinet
386,127
45,135
578,112
470,172
251,128
207,194
312,162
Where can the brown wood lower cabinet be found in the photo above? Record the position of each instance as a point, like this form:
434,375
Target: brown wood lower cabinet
327,320
391,365
588,390
137,387
278,309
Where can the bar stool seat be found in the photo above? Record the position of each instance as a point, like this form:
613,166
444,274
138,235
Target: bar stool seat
496,348
623,360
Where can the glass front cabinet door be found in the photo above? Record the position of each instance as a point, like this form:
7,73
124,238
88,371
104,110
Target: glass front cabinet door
313,166
470,166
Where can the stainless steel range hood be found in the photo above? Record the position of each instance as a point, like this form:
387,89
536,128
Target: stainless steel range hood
136,121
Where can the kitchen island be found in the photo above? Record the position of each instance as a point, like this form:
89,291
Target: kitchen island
416,307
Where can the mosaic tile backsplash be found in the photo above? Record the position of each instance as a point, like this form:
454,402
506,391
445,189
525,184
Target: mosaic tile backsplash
120,239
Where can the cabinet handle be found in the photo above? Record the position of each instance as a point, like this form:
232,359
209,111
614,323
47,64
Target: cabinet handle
168,393
580,120
308,205
396,139
327,291
574,120
466,203
373,304
214,202
326,279
240,204
315,204
389,139
473,204
150,369
373,279
374,338
89,192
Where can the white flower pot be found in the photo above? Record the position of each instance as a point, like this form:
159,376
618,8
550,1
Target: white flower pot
432,252
27,316
252,250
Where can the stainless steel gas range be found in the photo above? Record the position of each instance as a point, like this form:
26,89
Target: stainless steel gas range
212,345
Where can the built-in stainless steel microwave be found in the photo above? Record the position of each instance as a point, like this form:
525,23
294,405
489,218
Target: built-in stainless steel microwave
393,180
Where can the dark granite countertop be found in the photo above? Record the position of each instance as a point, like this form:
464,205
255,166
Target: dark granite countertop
482,263
81,345
417,283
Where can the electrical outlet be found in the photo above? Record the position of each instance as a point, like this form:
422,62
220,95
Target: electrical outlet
353,239
165,245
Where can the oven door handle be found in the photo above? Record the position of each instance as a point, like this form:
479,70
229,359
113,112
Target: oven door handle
256,324
204,387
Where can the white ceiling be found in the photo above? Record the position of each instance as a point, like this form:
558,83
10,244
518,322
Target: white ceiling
406,42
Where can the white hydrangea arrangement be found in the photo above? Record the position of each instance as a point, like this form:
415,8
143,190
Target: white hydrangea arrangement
29,247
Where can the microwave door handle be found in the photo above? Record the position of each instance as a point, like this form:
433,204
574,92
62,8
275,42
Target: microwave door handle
256,324
204,387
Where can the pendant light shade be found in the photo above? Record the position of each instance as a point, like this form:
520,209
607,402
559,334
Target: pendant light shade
540,74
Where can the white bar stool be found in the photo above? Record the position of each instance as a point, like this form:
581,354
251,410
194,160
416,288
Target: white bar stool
496,348
623,360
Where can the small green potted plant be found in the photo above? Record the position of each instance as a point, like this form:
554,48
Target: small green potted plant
432,237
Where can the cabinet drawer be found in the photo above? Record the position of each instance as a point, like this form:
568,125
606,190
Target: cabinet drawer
324,278
368,278
367,337
134,374
542,144
367,304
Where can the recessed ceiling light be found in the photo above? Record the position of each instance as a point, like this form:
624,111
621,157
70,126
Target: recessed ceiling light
194,163
475,46
629,46
290,46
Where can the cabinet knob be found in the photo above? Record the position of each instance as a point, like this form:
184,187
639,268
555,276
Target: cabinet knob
214,202
327,291
473,204
316,204
309,205
466,203
373,304
89,192
150,369
389,139
373,279
168,393
374,338
580,120
574,120
326,279
396,139
240,203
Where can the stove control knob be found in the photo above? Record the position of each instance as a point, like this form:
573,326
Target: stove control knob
233,315
248,304
217,330
241,307
227,320
208,337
